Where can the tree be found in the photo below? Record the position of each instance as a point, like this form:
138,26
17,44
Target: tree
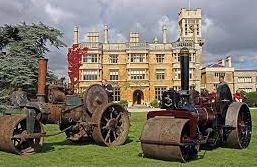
251,99
21,46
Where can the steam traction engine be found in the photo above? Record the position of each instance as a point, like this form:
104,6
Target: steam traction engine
93,117
191,122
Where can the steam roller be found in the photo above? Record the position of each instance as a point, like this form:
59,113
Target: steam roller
168,139
80,118
15,137
190,122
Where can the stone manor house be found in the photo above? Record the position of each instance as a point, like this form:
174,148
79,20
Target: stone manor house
141,71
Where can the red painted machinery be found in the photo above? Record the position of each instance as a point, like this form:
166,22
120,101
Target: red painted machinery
191,122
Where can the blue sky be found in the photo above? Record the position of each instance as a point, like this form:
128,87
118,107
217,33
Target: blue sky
229,26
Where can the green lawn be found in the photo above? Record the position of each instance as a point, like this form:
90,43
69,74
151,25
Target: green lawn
58,152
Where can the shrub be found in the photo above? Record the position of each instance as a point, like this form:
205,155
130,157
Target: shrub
3,109
124,103
155,103
251,99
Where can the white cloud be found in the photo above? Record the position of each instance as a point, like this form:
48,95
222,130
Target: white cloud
116,36
226,29
57,14
213,31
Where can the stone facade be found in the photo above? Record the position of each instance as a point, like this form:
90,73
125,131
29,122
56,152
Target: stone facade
211,73
141,71
245,80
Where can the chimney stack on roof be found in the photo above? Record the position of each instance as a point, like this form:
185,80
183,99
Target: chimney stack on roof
106,35
134,37
92,37
164,33
228,61
221,62
76,35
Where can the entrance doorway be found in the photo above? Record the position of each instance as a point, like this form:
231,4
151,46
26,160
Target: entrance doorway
138,96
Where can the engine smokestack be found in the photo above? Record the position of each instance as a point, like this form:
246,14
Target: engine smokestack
42,71
184,66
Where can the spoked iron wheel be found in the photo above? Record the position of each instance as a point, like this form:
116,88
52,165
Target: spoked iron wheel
12,130
239,117
112,125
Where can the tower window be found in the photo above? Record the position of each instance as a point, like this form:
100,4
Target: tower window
160,74
159,91
114,75
91,58
137,58
177,74
90,74
160,58
137,74
116,94
113,59
218,74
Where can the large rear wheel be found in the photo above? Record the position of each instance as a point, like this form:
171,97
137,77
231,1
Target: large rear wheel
238,117
94,97
112,125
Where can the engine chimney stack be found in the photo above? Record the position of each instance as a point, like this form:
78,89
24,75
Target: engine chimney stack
184,66
42,71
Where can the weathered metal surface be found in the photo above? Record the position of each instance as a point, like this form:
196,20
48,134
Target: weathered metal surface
184,65
74,117
107,123
59,111
56,94
111,125
95,97
163,138
54,111
42,72
205,121
238,116
15,138
73,100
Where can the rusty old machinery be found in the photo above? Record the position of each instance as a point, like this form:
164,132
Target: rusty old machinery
191,121
79,118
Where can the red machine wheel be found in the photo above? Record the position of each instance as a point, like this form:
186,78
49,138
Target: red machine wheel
239,117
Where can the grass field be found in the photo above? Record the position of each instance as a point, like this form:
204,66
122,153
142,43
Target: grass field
59,152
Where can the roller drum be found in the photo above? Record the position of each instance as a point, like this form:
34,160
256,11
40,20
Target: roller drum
12,125
162,138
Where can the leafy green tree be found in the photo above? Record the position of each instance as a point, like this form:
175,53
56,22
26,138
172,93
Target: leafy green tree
21,46
251,99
